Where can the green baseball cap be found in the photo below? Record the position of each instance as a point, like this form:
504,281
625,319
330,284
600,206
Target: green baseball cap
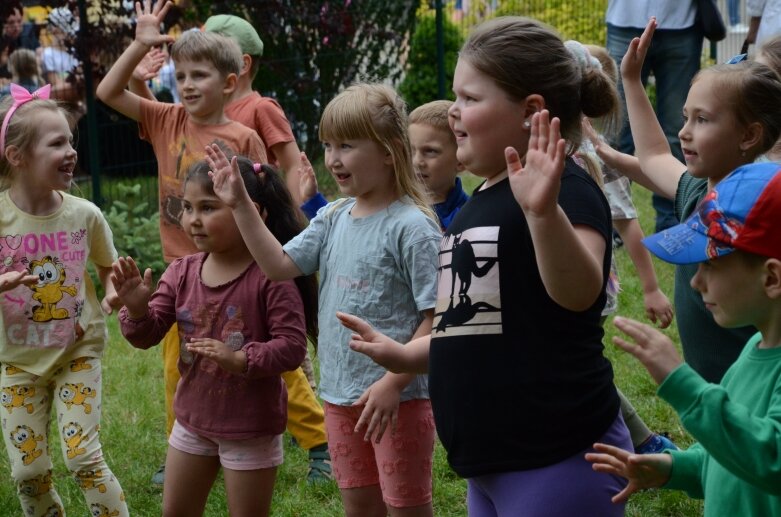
237,28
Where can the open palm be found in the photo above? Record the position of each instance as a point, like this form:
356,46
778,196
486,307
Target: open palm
536,184
148,21
228,185
632,62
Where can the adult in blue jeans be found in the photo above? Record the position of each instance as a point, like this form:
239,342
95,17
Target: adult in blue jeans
673,58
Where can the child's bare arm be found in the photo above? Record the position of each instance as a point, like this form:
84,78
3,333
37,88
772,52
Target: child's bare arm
657,306
111,89
265,248
660,170
566,255
626,164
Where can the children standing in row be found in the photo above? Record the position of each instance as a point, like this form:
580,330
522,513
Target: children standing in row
531,246
392,282
53,329
207,70
240,332
731,116
735,463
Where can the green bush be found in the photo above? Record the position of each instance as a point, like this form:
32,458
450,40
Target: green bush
420,81
582,21
136,229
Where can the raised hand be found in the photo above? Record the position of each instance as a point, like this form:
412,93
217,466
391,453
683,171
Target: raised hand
150,65
536,185
650,347
632,62
307,181
227,358
641,470
228,185
380,348
133,290
13,279
148,21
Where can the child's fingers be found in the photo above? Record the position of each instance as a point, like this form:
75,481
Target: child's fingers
513,161
355,324
305,160
633,328
543,130
148,277
381,425
623,495
612,450
626,346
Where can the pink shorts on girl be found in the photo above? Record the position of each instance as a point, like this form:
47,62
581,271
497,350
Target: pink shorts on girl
253,454
400,463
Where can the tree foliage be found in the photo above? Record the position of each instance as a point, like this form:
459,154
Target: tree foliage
420,80
583,21
314,49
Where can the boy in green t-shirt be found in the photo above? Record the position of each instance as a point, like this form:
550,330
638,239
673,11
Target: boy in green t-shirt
734,237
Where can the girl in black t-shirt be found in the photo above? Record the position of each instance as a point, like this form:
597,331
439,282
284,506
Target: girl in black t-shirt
519,386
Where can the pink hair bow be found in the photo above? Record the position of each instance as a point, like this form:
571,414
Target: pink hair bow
21,96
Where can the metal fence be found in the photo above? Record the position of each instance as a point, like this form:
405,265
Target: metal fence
111,152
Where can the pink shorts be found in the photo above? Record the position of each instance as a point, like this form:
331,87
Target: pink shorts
253,454
400,464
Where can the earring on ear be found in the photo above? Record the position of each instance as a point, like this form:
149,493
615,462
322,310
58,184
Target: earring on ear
527,124
743,154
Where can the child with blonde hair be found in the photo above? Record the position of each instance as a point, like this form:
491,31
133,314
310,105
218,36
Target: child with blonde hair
731,117
391,281
53,327
25,72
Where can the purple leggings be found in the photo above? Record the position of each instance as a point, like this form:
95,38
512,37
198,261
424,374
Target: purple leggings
567,488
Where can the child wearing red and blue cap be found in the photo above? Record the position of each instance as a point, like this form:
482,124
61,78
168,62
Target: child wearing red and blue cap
735,238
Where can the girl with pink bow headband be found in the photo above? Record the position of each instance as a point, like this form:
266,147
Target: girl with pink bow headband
53,331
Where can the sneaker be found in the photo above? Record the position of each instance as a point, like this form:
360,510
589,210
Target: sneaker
617,241
159,477
738,28
655,444
319,465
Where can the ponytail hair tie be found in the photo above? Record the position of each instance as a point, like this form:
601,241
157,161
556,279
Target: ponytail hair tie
582,56
257,167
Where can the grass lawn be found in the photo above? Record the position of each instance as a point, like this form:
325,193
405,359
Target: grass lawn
134,421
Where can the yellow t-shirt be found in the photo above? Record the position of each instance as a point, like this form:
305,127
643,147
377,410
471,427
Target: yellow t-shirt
59,318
